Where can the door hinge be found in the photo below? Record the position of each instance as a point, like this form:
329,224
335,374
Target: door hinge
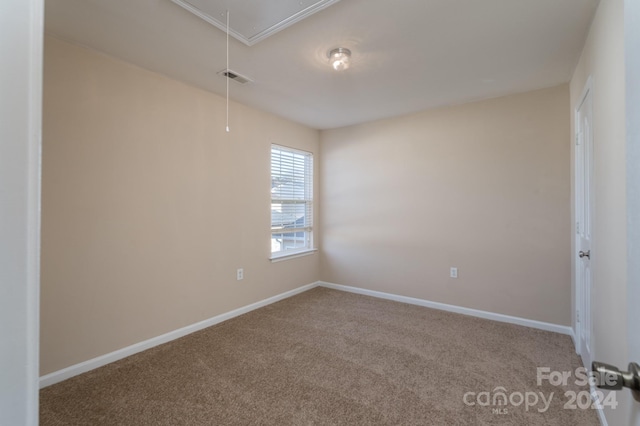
578,316
577,227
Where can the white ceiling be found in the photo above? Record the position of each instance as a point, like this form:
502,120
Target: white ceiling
408,55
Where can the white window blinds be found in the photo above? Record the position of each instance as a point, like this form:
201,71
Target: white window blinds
291,200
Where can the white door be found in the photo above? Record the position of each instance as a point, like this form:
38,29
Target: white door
632,63
583,209
631,413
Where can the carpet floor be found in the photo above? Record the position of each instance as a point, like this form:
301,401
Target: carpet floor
326,357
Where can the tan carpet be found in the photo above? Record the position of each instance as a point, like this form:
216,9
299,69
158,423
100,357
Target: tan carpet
328,357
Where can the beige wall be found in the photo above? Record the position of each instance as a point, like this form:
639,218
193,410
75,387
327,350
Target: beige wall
149,206
603,60
484,187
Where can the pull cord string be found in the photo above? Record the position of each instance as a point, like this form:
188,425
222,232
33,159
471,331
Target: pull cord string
227,71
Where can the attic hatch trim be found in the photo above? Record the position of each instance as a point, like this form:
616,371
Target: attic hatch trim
250,40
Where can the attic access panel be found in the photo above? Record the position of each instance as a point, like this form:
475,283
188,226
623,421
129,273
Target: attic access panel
253,20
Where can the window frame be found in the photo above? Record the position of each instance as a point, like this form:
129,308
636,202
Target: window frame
308,202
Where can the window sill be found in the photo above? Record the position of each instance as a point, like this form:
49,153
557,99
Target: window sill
287,256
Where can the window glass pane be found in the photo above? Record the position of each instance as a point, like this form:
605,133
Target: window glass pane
290,175
289,241
284,215
291,199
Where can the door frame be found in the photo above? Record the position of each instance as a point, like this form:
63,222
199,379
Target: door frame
578,296
632,108
22,29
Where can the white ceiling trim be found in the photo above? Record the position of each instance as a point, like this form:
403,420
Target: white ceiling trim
253,29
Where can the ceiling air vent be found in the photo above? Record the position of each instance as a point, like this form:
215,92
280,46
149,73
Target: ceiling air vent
235,76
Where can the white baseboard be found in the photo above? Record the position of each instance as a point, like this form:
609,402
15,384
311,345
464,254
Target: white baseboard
83,367
562,329
599,410
572,334
602,418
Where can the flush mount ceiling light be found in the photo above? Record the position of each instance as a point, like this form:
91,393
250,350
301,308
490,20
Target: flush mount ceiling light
339,58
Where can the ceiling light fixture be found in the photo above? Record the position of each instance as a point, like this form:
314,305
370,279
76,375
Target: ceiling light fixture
339,58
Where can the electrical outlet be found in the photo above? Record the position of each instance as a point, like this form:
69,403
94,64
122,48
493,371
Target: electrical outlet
453,272
240,274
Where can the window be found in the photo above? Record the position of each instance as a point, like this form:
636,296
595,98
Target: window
291,201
